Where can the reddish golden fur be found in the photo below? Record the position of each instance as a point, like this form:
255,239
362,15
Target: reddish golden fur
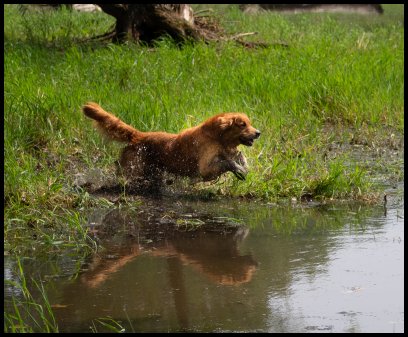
207,150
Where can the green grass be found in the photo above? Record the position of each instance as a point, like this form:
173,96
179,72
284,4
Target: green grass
29,314
340,81
31,311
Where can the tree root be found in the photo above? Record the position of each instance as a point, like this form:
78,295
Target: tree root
146,23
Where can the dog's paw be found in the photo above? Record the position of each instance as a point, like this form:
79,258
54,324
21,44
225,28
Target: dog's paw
240,172
239,175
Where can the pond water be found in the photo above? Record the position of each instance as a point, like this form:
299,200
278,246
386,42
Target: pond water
176,264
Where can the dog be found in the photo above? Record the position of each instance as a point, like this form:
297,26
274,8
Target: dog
205,151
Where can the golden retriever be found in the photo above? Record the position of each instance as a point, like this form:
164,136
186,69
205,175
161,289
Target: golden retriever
205,151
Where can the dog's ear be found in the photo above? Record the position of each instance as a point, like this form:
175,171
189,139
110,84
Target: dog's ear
225,122
239,122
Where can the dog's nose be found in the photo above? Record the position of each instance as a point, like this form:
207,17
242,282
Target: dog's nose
257,134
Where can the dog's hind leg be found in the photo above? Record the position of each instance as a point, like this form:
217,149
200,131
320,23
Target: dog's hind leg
140,170
131,163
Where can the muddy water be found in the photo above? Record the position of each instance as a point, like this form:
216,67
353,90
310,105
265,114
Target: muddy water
174,264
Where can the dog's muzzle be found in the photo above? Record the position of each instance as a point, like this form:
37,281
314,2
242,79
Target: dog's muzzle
248,141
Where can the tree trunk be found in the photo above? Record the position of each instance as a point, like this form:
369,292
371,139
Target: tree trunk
147,22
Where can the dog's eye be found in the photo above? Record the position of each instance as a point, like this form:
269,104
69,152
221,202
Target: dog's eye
243,124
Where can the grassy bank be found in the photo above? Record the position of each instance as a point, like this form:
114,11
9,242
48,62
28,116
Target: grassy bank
335,92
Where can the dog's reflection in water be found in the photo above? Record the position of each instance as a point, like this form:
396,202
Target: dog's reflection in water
213,253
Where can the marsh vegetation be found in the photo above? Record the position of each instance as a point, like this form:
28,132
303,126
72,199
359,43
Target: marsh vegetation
330,107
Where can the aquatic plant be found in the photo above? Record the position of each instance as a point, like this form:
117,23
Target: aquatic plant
25,313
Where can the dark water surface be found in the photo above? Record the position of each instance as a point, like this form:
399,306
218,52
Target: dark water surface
182,265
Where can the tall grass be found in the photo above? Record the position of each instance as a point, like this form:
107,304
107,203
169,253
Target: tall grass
28,308
29,314
341,78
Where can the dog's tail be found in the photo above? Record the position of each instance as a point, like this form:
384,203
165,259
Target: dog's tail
110,125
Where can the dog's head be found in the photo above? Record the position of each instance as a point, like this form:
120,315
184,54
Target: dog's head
235,128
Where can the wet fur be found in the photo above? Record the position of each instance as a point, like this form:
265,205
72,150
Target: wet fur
205,151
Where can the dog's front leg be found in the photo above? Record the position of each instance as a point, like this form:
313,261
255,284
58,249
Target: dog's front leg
219,165
240,171
241,160
239,166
